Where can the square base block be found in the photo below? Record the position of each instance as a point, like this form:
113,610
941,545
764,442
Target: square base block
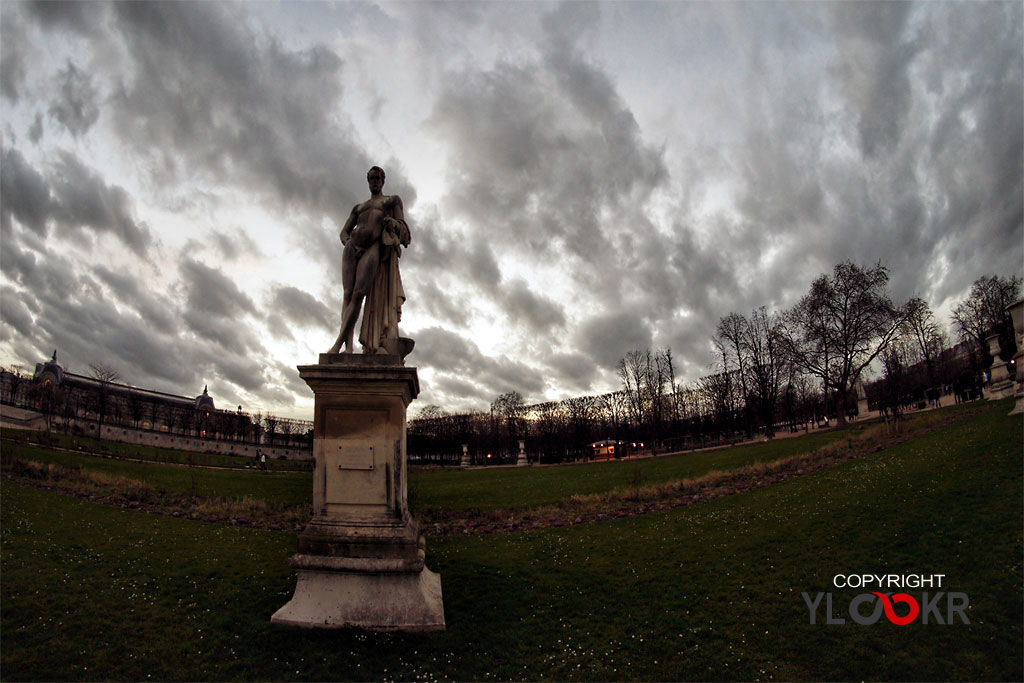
377,601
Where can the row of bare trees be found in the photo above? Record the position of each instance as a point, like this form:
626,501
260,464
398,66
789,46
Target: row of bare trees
553,431
920,364
846,326
773,368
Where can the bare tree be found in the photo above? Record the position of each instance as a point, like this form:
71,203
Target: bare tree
634,371
552,431
927,338
983,313
14,381
509,409
718,391
430,412
613,407
136,407
842,325
48,398
674,414
101,399
764,346
730,340
580,412
895,361
270,424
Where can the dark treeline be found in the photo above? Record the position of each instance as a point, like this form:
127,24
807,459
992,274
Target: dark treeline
774,370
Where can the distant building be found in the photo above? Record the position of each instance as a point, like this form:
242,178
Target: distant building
92,407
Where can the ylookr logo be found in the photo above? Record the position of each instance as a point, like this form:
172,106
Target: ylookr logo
938,608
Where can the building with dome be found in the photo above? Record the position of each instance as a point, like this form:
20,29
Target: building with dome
108,409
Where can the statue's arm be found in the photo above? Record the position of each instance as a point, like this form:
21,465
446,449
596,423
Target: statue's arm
346,230
402,229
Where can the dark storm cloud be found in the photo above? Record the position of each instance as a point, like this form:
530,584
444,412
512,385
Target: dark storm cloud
445,388
24,193
14,313
608,337
572,371
873,67
133,293
300,308
474,263
917,164
35,131
548,163
18,52
81,198
209,98
211,292
523,306
72,197
455,357
78,17
114,318
215,307
541,151
16,263
243,371
976,148
482,267
76,108
440,304
235,245
13,46
72,313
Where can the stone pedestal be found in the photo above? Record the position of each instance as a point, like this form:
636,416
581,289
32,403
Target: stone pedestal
1016,310
521,461
360,560
1001,383
465,462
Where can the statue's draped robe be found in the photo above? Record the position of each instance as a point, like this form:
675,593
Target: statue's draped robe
382,309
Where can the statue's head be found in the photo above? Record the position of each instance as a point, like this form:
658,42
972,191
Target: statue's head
375,178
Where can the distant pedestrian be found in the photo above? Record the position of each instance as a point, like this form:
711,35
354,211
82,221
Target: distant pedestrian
263,460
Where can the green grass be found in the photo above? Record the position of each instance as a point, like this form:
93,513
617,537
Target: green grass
150,453
293,488
454,489
511,487
710,591
451,489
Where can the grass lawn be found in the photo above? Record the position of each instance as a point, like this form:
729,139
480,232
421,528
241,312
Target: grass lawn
444,489
152,453
707,591
285,488
508,487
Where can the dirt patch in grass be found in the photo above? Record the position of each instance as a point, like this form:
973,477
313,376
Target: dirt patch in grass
579,509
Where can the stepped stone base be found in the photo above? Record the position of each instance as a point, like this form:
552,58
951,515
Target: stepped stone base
333,595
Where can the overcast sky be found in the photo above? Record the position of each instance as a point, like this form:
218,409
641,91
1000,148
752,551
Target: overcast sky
580,179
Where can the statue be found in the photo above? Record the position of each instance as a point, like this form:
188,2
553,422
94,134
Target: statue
373,235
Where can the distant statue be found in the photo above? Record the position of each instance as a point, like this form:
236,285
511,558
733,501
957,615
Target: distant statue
373,235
